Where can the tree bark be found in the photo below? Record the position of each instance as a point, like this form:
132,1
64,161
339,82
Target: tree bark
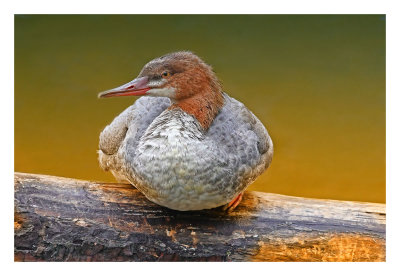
61,219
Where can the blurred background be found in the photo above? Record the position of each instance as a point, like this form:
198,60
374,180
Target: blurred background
317,82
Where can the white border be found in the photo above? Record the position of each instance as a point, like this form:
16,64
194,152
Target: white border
204,6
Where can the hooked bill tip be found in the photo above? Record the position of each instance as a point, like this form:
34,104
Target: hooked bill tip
102,94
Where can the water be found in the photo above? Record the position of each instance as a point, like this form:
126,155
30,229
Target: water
316,81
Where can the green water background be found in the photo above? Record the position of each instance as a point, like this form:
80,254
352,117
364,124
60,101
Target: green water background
317,82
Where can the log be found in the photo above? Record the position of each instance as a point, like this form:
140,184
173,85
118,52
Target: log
62,219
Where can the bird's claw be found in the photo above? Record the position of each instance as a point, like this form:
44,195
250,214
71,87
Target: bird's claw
233,204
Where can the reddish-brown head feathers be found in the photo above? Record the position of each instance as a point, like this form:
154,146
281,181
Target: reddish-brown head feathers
197,89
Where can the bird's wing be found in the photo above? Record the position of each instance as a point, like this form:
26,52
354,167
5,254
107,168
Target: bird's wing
242,141
132,123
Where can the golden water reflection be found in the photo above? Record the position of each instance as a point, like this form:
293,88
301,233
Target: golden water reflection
317,83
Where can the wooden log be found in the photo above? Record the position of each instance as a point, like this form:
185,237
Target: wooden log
61,219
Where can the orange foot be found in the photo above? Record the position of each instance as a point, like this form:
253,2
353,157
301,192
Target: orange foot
234,203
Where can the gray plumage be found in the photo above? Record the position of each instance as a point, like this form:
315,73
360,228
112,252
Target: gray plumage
168,156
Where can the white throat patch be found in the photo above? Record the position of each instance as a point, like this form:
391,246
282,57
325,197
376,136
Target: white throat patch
162,92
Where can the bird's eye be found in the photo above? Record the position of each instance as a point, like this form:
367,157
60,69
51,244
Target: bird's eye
165,74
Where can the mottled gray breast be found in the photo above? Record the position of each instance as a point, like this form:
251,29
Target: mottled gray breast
235,149
143,113
234,130
131,123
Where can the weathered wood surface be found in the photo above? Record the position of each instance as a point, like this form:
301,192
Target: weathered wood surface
61,219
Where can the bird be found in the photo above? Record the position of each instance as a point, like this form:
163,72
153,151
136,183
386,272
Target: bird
185,144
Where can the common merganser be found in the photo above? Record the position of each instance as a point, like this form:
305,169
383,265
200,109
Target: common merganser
187,145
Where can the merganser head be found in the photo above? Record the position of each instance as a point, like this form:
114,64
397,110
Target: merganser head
183,77
178,76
